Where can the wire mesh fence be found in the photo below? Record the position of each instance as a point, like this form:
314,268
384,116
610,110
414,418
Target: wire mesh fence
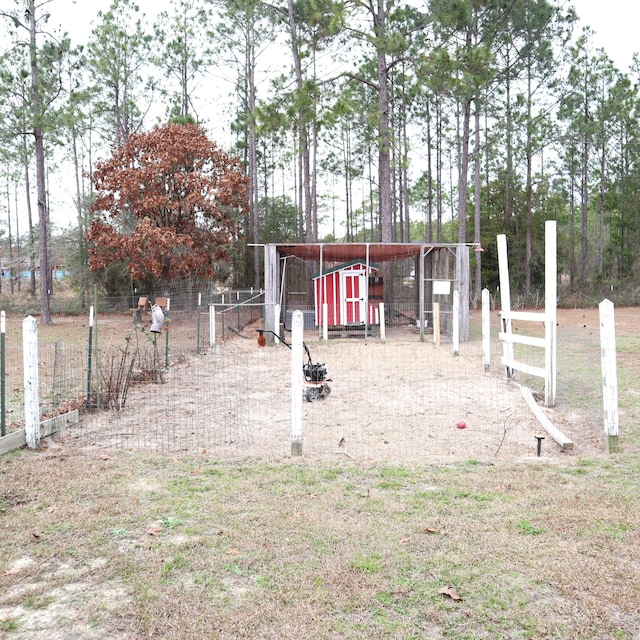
401,400
404,399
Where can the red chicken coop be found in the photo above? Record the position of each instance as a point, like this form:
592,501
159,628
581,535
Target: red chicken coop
352,293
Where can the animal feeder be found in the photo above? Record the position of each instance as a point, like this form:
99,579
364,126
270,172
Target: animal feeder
352,293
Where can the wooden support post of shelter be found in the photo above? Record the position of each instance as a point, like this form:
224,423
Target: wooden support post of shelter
462,287
325,307
370,253
325,322
366,290
271,297
456,323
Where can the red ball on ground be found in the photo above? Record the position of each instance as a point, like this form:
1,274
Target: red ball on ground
461,424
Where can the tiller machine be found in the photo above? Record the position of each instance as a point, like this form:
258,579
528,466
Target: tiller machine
315,373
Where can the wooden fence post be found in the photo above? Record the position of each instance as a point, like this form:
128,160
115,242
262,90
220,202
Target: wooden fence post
276,315
609,375
456,322
3,385
436,323
90,359
199,313
383,321
505,305
31,381
297,381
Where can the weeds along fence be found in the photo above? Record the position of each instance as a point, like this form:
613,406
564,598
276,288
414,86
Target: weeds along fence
397,400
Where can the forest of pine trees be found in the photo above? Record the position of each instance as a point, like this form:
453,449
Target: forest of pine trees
355,120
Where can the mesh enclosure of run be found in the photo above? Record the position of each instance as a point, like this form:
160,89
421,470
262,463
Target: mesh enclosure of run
401,400
397,400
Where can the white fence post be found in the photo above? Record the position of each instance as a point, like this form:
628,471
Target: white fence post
456,322
550,312
609,375
325,322
486,329
297,381
436,323
31,381
276,314
212,324
383,323
505,305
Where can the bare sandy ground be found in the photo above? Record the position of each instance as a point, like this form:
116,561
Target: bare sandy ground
402,400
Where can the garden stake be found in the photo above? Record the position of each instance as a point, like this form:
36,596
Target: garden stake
539,439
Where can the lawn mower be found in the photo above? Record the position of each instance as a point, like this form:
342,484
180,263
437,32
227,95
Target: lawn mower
315,373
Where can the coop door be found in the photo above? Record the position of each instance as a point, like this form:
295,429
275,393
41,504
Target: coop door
353,298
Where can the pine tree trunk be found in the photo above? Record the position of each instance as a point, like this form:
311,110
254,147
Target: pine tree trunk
477,296
43,218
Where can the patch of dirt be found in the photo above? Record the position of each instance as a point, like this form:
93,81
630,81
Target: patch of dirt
58,601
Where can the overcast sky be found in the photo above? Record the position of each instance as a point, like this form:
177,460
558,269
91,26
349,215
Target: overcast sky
614,22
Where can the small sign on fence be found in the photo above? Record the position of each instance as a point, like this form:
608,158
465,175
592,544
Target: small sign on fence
441,287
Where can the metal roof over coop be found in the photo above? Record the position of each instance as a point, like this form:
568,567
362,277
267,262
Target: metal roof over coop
434,264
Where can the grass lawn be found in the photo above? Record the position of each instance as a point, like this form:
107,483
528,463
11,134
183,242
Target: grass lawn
136,546
124,546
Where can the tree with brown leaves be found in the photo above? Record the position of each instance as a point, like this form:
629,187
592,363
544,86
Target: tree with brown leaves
169,203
